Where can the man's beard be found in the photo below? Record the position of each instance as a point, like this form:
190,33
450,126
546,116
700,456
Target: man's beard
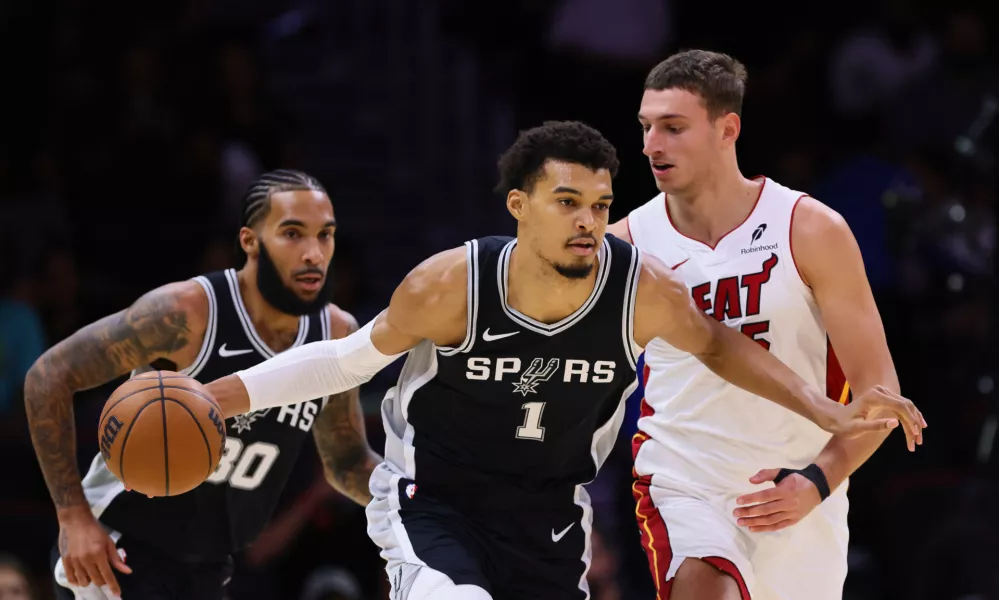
573,271
578,270
278,295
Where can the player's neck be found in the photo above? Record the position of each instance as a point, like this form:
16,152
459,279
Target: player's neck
277,329
710,210
537,290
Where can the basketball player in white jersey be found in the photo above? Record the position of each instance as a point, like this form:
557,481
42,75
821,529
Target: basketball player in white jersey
738,497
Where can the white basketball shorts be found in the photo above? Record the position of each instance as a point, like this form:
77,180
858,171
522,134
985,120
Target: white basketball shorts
806,561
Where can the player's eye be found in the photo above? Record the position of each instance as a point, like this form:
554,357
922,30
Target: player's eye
602,206
675,129
291,234
567,201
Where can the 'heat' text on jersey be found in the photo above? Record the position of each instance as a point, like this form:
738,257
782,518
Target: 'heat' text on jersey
727,300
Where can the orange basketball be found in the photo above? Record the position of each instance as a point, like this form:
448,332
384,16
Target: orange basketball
161,433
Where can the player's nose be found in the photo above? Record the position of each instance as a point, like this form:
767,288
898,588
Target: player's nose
652,147
585,221
313,254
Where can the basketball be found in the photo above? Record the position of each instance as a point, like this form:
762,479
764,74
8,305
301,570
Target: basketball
161,433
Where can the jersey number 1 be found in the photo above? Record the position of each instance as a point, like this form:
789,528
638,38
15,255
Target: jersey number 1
245,468
532,429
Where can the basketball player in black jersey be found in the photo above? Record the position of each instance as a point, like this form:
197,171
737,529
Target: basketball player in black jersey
207,327
521,351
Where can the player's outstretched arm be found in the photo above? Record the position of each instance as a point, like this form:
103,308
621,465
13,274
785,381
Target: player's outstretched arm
830,262
340,436
430,304
666,310
166,323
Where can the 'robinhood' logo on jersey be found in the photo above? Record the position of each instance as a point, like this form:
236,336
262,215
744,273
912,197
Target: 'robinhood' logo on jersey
757,234
534,375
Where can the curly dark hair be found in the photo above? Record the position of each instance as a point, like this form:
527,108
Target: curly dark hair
717,78
522,165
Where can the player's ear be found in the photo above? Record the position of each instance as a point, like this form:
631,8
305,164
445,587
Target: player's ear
730,125
248,241
516,203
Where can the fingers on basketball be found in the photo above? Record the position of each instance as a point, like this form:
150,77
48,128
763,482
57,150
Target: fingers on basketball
161,433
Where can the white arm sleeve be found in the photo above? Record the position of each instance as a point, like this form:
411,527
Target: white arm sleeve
315,370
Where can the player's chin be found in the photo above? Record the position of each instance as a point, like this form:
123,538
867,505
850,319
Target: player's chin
576,267
669,181
668,186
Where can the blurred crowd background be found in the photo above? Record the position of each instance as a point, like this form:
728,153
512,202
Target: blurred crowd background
133,128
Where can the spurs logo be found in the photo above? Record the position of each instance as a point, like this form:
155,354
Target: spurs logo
244,422
534,375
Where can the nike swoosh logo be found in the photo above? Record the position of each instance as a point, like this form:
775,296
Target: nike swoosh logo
491,338
558,536
227,353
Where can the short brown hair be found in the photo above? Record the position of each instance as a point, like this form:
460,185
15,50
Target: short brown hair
717,78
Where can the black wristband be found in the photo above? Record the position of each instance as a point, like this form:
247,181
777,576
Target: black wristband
812,473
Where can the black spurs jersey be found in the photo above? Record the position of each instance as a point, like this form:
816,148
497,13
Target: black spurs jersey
229,510
520,407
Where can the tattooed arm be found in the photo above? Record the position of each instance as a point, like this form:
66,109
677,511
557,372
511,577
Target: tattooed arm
340,436
166,323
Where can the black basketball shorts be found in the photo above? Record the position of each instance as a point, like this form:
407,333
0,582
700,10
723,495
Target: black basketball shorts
514,551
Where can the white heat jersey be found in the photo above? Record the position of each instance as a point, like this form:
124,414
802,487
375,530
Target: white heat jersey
695,429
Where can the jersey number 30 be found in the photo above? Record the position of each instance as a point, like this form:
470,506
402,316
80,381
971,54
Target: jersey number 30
245,468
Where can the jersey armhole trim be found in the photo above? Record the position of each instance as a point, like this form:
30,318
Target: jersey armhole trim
631,349
636,228
627,226
472,299
326,324
790,241
209,343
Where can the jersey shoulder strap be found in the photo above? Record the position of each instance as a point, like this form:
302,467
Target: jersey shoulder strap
481,258
319,326
625,273
207,343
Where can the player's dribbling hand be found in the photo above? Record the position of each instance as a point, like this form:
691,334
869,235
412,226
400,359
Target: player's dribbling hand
88,553
879,409
778,507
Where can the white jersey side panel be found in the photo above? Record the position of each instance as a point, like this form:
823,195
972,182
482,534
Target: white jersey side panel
695,428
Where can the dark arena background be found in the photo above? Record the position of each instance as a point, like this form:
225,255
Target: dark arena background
130,131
